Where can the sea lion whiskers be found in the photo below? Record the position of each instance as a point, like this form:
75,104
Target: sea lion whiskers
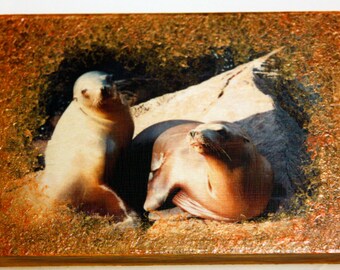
216,148
222,152
97,102
219,150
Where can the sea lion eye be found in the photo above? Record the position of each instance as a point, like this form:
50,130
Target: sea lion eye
222,132
84,93
245,139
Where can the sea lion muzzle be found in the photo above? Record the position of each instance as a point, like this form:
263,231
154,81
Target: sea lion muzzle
106,92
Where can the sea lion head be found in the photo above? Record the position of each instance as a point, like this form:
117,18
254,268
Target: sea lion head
96,89
222,139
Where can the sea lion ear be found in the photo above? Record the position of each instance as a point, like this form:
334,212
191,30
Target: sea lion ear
246,138
85,93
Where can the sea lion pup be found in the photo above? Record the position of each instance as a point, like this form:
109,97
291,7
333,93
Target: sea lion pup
218,171
85,145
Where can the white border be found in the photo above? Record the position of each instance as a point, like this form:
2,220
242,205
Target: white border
172,6
162,6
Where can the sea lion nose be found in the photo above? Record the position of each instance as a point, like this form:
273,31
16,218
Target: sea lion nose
106,92
193,133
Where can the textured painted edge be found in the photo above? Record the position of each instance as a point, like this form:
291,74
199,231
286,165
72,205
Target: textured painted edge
329,258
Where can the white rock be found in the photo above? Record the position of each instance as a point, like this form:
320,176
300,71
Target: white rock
239,96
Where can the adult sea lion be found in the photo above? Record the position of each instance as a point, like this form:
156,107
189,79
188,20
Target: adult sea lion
89,137
216,168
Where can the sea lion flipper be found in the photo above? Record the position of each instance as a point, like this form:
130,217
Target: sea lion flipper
157,161
108,204
193,207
